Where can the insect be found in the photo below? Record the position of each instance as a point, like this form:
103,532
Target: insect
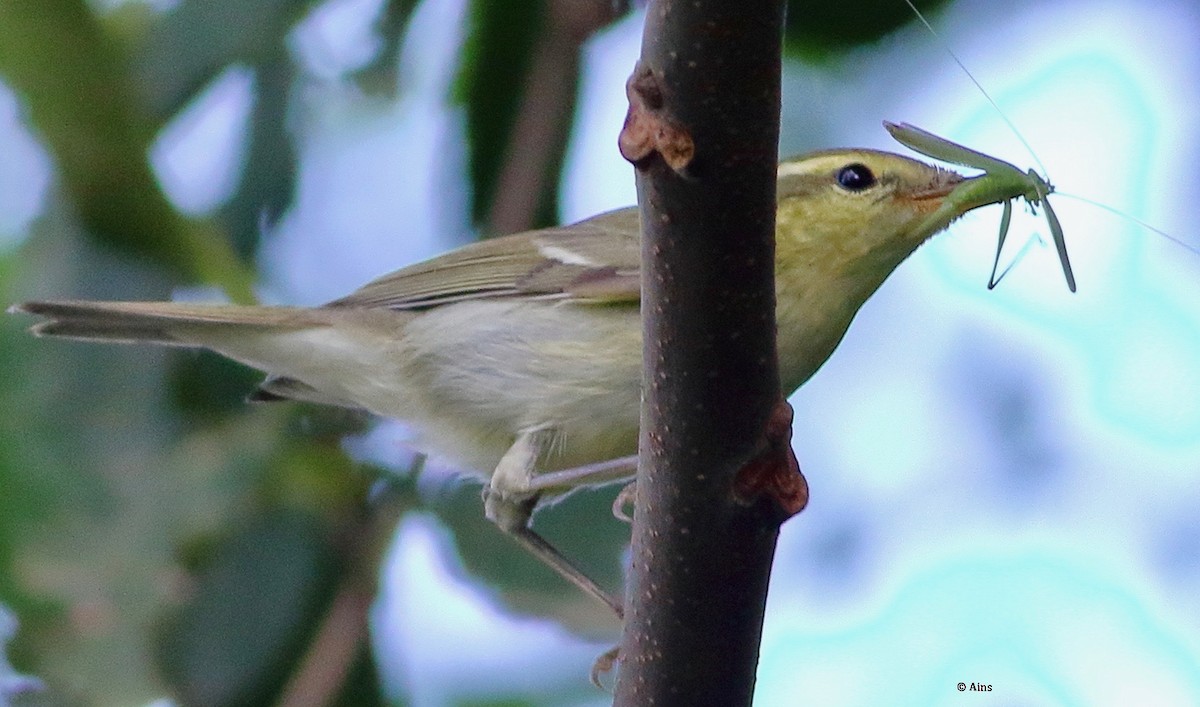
1001,182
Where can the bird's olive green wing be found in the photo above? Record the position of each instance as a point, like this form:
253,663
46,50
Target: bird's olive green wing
593,261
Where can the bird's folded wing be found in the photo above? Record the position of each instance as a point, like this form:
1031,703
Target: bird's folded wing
593,261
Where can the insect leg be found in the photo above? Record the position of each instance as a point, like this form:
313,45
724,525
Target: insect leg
1005,220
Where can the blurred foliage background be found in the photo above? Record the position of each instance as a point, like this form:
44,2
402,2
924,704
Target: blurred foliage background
159,537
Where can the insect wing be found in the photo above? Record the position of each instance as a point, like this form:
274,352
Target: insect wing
942,149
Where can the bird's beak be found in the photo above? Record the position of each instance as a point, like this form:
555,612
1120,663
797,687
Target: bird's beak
931,195
937,201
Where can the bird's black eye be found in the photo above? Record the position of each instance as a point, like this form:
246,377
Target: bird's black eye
855,177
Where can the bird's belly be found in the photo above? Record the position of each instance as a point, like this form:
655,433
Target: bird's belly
476,374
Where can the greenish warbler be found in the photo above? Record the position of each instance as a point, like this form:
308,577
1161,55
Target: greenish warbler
520,357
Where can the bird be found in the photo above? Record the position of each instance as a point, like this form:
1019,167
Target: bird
519,358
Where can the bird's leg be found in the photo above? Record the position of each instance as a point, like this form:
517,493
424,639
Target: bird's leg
548,554
509,501
604,472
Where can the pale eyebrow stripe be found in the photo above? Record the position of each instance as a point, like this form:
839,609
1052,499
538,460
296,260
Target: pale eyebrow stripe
790,169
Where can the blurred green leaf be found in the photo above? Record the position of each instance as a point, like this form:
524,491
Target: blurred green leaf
75,565
103,484
207,386
362,685
189,45
254,606
581,526
187,49
379,76
314,476
816,29
267,183
491,80
72,80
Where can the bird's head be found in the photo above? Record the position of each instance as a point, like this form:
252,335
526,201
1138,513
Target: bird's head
858,211
846,219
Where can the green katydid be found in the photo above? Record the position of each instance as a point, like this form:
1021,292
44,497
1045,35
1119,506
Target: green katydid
1000,183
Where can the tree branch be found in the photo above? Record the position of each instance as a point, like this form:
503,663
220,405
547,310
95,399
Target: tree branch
717,476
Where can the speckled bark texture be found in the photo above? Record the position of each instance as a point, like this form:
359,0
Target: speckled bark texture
717,474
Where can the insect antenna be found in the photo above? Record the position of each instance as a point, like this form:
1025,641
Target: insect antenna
1133,219
1011,126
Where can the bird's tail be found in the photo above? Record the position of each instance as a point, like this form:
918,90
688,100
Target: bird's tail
171,323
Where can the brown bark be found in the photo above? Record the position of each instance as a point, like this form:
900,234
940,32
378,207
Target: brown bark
717,476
